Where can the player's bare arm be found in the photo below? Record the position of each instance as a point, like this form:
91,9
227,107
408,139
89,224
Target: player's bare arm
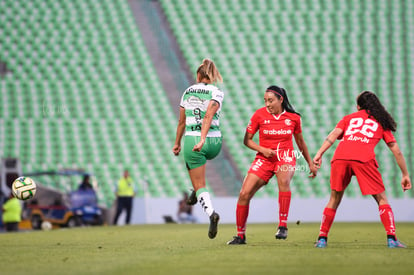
208,118
303,148
180,131
329,141
249,142
399,157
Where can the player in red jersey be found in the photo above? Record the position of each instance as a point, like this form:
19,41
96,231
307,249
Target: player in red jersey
276,123
360,133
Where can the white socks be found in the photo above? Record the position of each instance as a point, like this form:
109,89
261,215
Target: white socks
203,197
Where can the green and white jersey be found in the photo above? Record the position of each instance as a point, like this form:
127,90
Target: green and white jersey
195,101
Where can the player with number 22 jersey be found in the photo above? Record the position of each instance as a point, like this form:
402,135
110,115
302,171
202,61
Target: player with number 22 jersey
360,132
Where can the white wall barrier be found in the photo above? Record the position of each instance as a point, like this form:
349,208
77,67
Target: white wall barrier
152,210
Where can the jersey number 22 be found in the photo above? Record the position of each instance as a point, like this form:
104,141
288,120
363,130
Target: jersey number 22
366,127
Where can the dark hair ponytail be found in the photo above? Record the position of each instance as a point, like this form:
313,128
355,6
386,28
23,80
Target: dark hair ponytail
280,92
370,102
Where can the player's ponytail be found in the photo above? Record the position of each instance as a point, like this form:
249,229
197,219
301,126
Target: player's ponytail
280,92
208,70
370,102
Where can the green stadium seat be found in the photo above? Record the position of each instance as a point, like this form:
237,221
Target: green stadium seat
102,73
327,68
96,79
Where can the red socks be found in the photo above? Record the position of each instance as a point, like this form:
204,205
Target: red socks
387,219
327,220
386,215
242,212
284,204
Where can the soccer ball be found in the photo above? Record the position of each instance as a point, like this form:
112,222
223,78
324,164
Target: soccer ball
24,188
46,225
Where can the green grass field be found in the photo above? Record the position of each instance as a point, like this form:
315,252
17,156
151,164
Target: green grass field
354,248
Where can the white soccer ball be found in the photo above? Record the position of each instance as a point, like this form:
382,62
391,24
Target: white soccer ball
24,188
46,225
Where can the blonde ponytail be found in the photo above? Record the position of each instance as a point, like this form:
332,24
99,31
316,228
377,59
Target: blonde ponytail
209,71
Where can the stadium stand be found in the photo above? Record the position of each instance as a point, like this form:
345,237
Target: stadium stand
323,52
81,91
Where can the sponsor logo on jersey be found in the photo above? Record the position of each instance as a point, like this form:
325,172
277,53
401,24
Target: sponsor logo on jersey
197,91
277,132
195,101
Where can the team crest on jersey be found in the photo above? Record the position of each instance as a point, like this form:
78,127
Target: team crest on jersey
288,122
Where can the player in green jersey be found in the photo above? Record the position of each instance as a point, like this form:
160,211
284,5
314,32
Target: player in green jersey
200,108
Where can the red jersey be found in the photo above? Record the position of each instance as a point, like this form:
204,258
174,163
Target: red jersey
361,134
275,131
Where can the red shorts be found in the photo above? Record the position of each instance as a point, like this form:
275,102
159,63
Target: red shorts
265,168
369,178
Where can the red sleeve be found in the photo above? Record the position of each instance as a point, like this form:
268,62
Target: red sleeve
341,125
253,124
298,126
388,137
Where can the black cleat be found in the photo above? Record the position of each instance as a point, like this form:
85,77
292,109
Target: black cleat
192,199
282,233
237,240
212,230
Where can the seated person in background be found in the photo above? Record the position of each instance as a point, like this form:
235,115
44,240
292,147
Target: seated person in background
185,211
85,195
85,184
